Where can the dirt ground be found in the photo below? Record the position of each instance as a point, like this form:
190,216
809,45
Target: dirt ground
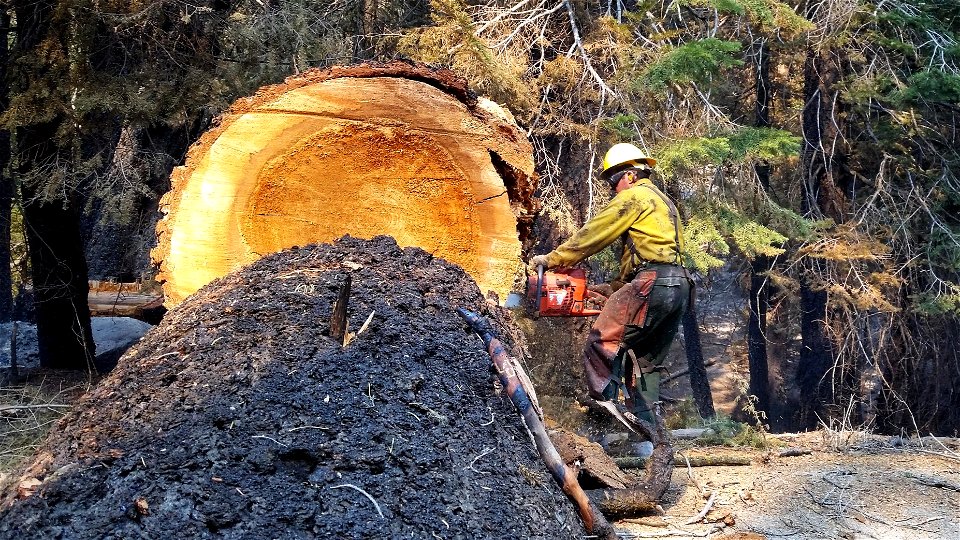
851,486
237,417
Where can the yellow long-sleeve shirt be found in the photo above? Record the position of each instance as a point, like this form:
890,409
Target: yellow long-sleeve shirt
641,215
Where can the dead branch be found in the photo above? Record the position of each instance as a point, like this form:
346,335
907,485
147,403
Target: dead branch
593,520
15,408
941,454
934,481
793,452
706,509
679,374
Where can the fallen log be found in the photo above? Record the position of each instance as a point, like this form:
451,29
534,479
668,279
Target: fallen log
643,496
399,149
631,462
794,452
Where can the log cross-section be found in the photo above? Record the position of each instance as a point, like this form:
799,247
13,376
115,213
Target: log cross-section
397,149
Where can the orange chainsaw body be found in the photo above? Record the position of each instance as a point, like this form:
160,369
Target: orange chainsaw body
561,293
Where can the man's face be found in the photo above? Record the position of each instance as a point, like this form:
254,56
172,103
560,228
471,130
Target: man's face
626,181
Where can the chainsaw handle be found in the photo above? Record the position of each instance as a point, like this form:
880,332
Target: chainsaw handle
539,286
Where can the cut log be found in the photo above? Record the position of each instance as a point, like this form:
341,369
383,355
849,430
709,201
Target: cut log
397,149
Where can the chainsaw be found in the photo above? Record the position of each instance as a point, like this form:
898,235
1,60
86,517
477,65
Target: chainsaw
563,293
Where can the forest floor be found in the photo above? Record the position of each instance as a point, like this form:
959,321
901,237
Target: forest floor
261,450
851,485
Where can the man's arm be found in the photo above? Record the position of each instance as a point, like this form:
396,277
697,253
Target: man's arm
605,227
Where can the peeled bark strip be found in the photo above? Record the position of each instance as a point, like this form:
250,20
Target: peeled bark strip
596,467
398,149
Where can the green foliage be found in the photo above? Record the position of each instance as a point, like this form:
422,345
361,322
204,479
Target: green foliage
605,264
769,15
792,224
683,414
725,431
452,41
944,248
755,239
715,227
749,236
747,144
697,62
930,85
933,305
621,127
702,240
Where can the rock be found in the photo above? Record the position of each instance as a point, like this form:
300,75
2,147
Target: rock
642,449
112,336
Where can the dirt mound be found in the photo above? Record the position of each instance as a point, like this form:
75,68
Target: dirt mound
238,418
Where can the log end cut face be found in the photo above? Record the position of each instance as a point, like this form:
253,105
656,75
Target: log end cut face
318,158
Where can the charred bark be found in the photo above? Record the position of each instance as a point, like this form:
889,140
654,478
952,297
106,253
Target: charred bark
6,182
759,299
57,265
52,222
822,171
757,333
699,383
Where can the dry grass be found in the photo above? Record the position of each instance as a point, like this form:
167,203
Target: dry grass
28,410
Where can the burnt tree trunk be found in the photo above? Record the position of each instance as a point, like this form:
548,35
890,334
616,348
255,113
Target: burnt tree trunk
821,198
699,384
57,263
52,224
759,299
6,181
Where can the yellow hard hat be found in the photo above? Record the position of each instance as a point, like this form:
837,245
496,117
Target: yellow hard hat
622,156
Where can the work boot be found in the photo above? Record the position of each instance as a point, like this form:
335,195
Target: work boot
646,396
642,449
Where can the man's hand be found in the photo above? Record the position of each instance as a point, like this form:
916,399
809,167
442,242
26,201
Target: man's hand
602,288
535,261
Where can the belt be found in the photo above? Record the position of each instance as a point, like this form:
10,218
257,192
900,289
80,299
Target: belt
665,271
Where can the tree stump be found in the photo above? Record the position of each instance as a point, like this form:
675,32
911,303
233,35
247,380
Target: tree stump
398,149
